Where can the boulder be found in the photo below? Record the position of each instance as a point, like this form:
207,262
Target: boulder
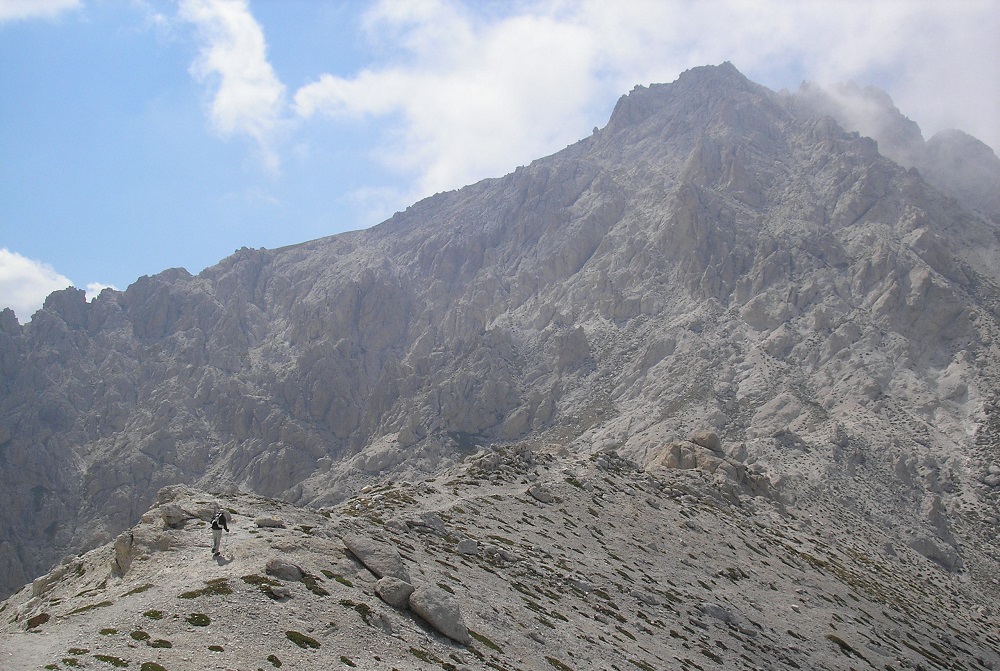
441,610
124,553
270,522
394,591
284,569
707,439
467,546
541,493
381,559
174,516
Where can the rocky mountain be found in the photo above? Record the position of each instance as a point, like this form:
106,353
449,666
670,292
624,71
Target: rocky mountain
719,259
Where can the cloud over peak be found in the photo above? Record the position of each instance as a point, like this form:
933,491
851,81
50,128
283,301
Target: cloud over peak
24,283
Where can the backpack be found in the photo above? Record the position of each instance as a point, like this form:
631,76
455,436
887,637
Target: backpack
218,521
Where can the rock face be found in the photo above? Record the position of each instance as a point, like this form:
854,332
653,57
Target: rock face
719,257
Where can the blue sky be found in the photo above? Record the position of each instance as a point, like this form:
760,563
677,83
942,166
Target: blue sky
141,135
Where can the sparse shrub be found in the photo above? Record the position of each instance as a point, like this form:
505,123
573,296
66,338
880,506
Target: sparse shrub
312,585
302,640
262,582
216,648
160,643
139,635
275,662
216,587
68,661
198,620
347,660
113,661
363,609
485,641
78,651
151,666
154,614
557,664
108,632
139,590
84,609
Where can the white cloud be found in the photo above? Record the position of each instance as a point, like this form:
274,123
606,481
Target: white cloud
248,99
24,283
469,94
13,10
94,289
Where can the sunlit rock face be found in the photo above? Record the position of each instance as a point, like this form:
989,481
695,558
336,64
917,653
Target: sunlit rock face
719,257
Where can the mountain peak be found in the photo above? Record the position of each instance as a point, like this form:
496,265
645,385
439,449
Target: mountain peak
692,89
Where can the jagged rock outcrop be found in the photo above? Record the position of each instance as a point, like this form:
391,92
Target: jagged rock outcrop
718,257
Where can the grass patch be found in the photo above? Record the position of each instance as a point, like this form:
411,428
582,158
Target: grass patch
108,631
339,578
93,606
216,648
154,614
160,643
78,651
67,661
485,641
363,609
424,656
347,661
198,620
151,666
139,590
302,640
216,587
312,584
275,662
844,646
113,661
139,635
557,664
261,581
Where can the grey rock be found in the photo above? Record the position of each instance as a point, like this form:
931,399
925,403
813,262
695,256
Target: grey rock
284,570
269,522
394,591
541,493
279,592
467,546
708,439
718,612
441,610
380,558
174,516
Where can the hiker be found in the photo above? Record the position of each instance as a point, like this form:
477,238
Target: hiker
218,524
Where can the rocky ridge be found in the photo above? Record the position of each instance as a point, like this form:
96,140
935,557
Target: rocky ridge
515,559
718,257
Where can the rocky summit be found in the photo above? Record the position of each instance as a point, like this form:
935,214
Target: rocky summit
716,387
